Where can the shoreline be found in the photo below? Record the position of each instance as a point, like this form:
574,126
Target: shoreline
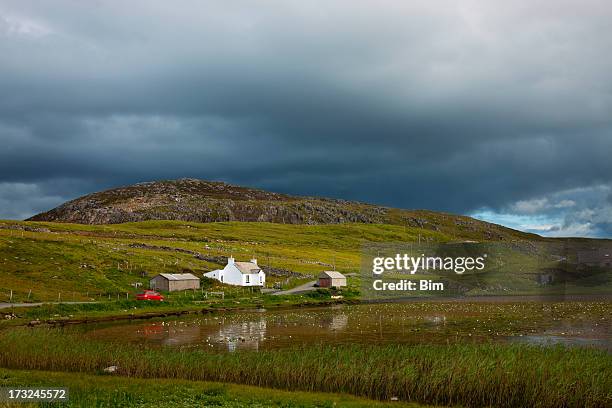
179,311
194,310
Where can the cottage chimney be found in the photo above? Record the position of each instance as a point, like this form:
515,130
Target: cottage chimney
230,260
254,261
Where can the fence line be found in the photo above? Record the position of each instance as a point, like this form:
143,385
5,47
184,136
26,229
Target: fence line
33,296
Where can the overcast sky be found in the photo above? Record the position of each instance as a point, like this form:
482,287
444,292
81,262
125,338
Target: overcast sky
497,109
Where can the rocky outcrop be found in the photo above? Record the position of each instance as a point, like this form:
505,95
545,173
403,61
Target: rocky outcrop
194,200
205,201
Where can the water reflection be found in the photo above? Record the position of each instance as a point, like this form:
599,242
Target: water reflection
337,322
168,334
550,340
366,324
246,335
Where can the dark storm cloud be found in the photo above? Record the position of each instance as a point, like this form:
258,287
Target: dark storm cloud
467,107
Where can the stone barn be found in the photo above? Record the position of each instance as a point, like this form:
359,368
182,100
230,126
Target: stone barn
170,282
328,279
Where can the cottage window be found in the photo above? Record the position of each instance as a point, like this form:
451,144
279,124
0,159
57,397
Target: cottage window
247,278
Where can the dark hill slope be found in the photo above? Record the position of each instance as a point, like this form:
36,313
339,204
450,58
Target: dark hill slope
208,201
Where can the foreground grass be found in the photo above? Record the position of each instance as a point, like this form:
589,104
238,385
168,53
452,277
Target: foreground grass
468,375
107,391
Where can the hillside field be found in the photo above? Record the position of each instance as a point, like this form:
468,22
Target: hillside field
42,261
50,258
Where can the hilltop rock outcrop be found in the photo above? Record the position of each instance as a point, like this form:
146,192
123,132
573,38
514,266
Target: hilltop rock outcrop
195,200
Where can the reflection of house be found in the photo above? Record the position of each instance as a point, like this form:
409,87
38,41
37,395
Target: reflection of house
338,322
328,279
435,319
174,281
549,276
244,335
601,257
545,278
239,273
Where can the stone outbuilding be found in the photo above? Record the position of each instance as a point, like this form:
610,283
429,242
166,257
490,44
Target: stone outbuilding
170,282
327,279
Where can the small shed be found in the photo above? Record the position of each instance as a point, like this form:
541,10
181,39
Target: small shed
171,282
327,279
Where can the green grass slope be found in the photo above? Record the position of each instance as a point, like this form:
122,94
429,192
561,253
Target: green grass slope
52,258
42,261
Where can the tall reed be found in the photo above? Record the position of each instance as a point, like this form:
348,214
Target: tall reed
474,375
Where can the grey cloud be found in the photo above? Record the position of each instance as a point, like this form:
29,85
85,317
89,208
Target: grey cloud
20,200
449,106
574,212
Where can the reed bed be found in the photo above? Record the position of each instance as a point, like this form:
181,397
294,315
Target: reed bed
473,375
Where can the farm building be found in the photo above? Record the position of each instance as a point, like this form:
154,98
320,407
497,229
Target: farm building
328,279
171,282
239,273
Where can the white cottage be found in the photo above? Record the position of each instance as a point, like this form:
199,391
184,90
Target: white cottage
239,273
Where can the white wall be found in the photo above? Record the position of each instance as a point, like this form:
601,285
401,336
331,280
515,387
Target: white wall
254,279
213,274
232,276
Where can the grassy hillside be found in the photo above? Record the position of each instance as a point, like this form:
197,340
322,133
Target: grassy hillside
41,261
49,258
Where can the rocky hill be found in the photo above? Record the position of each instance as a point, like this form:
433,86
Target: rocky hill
209,201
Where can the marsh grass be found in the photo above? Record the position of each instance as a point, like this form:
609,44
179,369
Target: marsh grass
111,391
468,375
